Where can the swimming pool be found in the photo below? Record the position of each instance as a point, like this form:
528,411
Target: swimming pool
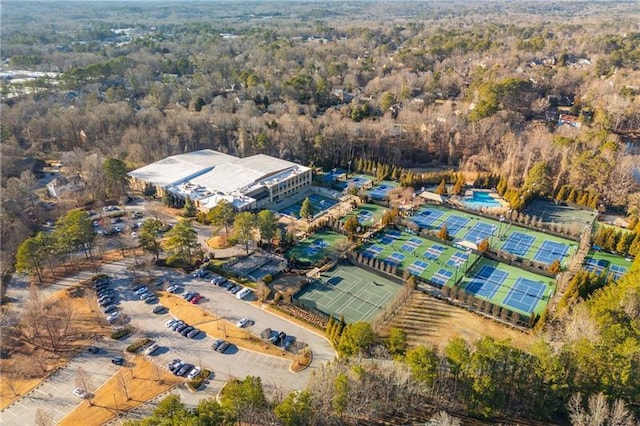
480,199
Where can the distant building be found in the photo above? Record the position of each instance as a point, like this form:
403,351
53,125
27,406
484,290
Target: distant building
569,119
208,177
63,187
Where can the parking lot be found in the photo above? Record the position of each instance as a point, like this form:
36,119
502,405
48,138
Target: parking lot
54,396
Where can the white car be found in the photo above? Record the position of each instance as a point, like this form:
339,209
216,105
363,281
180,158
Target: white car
243,322
141,290
193,373
80,393
134,235
174,288
114,316
151,349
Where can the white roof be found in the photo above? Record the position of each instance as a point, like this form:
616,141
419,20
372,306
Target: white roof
431,196
178,168
210,176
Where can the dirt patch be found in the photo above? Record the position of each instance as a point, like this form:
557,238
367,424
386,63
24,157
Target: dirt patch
217,327
432,322
137,382
30,365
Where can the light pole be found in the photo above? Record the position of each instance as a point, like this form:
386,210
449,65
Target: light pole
348,168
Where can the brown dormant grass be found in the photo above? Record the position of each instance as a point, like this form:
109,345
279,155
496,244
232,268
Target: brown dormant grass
432,322
87,318
142,382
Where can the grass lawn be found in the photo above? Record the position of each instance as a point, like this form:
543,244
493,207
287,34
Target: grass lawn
124,391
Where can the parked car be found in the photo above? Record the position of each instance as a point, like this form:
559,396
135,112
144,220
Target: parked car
182,371
159,310
236,289
244,293
117,360
289,343
145,296
116,220
181,327
109,309
243,322
217,343
173,288
193,373
174,365
190,296
177,324
151,349
196,299
233,288
93,349
223,347
187,330
200,273
143,289
80,393
193,333
114,316
152,300
170,322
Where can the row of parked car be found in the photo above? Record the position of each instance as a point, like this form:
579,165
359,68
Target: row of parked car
181,368
143,292
107,298
183,328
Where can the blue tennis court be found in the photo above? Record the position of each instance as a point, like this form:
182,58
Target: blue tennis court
457,259
617,271
311,251
395,258
442,276
425,218
480,231
365,216
433,252
486,282
333,175
408,247
550,251
518,243
373,251
595,265
417,267
380,192
455,224
389,237
525,294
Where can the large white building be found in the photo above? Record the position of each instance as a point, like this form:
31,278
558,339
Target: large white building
208,177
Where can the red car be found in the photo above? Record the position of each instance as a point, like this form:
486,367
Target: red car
196,299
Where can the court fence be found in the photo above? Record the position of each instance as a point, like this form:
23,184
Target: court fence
518,262
555,229
453,295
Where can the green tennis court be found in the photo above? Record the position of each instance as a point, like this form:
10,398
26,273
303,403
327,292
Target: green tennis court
606,263
368,214
349,291
430,260
320,244
502,235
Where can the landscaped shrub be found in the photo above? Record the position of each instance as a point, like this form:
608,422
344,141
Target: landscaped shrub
136,346
119,334
199,380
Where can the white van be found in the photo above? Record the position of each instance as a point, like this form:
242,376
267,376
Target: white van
243,293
